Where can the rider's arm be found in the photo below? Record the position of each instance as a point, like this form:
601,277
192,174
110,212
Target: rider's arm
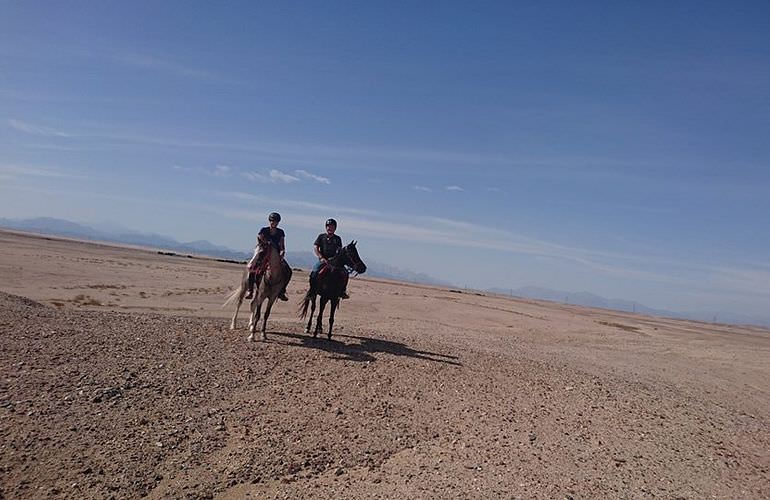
283,246
262,237
317,251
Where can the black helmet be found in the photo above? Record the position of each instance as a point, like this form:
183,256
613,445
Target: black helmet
274,216
331,222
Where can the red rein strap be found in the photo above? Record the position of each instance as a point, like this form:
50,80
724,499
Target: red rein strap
265,261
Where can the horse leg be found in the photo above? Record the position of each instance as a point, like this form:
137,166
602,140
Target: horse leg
237,308
267,314
335,303
318,322
256,306
241,294
312,312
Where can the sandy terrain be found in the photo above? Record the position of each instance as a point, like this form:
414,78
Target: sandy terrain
119,378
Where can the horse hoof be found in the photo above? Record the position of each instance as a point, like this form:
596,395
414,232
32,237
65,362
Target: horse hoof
329,336
264,338
250,338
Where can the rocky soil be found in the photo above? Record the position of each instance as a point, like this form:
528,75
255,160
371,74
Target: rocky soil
422,393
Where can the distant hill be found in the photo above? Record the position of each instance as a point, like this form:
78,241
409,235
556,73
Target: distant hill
304,260
590,300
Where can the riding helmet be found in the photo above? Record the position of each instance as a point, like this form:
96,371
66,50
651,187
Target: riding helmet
331,222
274,216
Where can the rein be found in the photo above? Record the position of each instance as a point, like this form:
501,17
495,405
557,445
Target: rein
265,261
333,262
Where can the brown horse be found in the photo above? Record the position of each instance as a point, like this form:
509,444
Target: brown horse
270,285
329,284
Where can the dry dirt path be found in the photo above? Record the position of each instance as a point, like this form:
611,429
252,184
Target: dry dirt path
423,393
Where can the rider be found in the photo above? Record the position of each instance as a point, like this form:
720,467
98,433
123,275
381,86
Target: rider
273,236
325,247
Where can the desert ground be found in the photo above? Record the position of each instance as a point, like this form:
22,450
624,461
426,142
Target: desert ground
119,378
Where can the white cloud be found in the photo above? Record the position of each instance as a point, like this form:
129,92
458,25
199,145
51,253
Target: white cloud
222,170
307,175
217,171
279,176
454,188
274,176
35,129
295,204
422,188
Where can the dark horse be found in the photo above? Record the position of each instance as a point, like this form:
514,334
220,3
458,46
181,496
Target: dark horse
329,285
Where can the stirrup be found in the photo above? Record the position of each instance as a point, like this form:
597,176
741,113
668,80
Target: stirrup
344,295
249,294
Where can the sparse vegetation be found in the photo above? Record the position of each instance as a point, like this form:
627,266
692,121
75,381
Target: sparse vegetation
628,328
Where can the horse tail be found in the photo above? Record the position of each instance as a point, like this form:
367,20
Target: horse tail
238,293
303,307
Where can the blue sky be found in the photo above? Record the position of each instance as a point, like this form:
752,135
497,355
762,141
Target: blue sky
621,148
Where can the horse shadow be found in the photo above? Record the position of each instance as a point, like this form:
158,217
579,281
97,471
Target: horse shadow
363,350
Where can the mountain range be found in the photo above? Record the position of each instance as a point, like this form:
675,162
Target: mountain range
304,260
590,300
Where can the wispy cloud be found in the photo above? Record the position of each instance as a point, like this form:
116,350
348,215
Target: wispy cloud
454,188
217,171
298,205
422,188
222,170
148,62
274,176
35,171
36,129
307,175
757,280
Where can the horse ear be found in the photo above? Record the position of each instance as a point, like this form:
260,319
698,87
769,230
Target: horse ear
353,243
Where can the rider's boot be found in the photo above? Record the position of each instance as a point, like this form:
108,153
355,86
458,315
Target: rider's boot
282,295
344,295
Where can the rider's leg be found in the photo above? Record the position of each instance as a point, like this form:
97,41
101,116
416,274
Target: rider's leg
286,268
250,285
314,274
344,294
253,265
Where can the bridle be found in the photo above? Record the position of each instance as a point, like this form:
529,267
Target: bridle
356,263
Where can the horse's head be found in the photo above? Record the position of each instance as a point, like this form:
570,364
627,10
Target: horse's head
355,260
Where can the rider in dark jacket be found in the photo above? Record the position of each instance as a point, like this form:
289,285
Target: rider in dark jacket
273,236
325,247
